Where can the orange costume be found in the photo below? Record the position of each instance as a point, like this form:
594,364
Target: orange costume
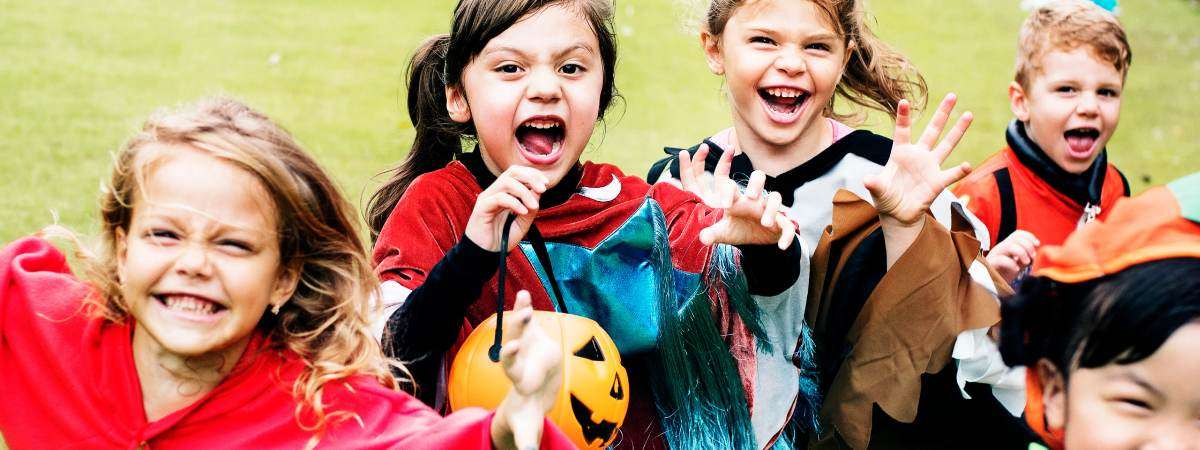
1020,188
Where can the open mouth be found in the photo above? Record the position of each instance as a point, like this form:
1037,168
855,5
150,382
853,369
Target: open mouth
783,104
189,305
541,138
1082,141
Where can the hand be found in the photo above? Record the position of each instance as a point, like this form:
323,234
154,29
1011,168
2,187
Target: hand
913,178
516,191
751,217
533,362
1013,254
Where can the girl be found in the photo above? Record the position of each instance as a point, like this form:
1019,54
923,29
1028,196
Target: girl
230,311
1109,326
527,81
784,64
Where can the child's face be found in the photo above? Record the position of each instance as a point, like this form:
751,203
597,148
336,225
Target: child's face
200,262
1153,403
782,61
533,93
1071,108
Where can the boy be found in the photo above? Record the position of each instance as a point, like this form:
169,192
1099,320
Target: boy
1054,175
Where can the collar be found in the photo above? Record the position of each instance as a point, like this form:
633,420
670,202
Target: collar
860,142
1084,189
556,195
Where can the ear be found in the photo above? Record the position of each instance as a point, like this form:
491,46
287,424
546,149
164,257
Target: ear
122,250
1054,394
456,105
712,52
1018,101
285,285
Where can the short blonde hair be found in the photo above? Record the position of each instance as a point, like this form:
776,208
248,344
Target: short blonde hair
1067,25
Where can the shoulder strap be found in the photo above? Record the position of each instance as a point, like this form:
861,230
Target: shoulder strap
657,169
1008,205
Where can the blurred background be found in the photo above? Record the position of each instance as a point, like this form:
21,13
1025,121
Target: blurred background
76,79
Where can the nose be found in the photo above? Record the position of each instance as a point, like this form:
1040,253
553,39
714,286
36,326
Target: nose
543,86
193,261
1088,105
791,62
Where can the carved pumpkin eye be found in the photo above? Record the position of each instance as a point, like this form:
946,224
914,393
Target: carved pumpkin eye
590,350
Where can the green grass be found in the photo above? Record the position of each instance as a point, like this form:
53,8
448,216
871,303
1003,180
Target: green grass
77,77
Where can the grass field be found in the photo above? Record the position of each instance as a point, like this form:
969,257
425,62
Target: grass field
77,77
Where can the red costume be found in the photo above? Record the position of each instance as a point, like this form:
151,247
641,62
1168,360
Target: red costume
68,380
1020,188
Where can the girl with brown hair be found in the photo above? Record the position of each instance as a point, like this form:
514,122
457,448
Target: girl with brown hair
230,308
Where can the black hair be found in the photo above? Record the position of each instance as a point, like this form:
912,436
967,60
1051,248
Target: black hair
439,63
1121,318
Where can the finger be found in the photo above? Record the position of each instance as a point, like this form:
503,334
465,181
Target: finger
754,188
698,161
535,179
727,192
938,123
686,177
709,235
519,190
953,174
956,134
774,201
504,201
903,123
788,234
722,170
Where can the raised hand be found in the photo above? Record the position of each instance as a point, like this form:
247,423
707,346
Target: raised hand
533,362
516,191
913,176
751,217
1013,254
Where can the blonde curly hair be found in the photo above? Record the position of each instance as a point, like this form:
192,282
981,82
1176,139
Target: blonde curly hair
327,320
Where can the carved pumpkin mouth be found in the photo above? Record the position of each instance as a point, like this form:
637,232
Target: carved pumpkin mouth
602,430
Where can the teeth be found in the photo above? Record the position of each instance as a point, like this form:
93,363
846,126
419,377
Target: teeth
542,124
189,304
785,92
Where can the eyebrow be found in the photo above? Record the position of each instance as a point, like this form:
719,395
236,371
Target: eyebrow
825,35
559,54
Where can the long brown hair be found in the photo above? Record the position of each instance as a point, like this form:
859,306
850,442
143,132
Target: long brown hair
877,76
439,63
326,321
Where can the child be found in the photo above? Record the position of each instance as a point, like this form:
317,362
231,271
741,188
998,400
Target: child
1109,326
230,311
1054,175
527,81
784,63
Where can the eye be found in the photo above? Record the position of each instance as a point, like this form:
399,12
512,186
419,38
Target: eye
161,235
572,69
235,244
1065,89
762,40
1109,93
819,46
591,351
509,68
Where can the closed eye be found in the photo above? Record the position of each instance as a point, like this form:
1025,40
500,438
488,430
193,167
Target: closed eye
762,40
235,244
162,235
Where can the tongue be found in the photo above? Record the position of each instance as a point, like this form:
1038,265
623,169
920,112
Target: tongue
539,142
1080,144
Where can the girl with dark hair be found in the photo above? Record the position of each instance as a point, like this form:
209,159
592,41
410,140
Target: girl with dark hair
526,81
891,290
1109,327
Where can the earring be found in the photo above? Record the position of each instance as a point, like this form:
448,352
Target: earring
275,309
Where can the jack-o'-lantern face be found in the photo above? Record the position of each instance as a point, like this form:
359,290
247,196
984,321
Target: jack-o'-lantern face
592,403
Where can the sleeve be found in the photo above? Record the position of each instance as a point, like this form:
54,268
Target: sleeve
32,269
395,420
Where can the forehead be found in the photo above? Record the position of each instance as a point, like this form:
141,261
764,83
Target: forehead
1079,64
183,182
553,29
783,15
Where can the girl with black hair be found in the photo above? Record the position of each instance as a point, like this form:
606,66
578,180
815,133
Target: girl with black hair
1109,328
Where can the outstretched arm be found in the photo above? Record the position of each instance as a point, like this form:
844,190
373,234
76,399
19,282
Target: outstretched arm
534,365
913,176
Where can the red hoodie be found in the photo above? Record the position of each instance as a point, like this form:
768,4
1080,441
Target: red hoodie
68,380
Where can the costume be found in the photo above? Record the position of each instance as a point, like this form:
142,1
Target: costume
1160,223
1020,188
605,246
884,336
68,381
